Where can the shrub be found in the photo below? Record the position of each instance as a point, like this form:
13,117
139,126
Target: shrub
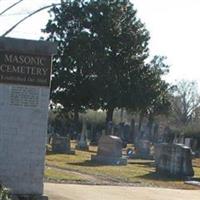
4,193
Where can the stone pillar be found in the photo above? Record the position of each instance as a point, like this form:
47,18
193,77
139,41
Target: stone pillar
82,143
25,68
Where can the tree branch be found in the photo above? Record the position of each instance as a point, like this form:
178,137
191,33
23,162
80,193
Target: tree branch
28,16
10,7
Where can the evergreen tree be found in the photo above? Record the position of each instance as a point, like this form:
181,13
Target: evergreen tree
102,47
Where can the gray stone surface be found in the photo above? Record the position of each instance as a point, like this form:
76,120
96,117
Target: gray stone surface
27,46
23,125
110,151
174,159
142,149
61,145
22,142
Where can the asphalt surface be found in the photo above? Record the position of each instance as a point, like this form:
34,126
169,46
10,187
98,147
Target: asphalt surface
88,192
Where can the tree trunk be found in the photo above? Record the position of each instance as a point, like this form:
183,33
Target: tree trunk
109,114
140,121
76,119
121,115
132,133
150,125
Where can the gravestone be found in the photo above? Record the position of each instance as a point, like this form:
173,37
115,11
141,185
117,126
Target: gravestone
61,144
25,68
142,144
93,136
174,159
109,151
181,140
188,142
82,143
142,150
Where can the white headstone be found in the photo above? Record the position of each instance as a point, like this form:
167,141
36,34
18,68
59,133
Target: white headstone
82,144
181,140
188,142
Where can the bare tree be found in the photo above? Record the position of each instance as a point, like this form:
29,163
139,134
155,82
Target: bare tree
185,101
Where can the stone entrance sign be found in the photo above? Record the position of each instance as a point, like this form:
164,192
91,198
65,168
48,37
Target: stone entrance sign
25,68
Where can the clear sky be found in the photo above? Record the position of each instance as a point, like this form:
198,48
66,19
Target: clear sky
173,25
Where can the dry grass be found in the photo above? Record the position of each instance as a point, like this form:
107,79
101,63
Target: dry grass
61,175
137,171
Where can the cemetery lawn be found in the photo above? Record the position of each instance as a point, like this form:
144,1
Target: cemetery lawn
79,169
62,175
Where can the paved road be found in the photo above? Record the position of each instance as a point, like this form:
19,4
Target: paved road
86,192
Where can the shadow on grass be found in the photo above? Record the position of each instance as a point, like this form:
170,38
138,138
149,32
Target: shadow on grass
142,164
49,152
64,153
160,177
138,162
89,163
92,151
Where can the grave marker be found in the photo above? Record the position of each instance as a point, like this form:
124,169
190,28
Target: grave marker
109,151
